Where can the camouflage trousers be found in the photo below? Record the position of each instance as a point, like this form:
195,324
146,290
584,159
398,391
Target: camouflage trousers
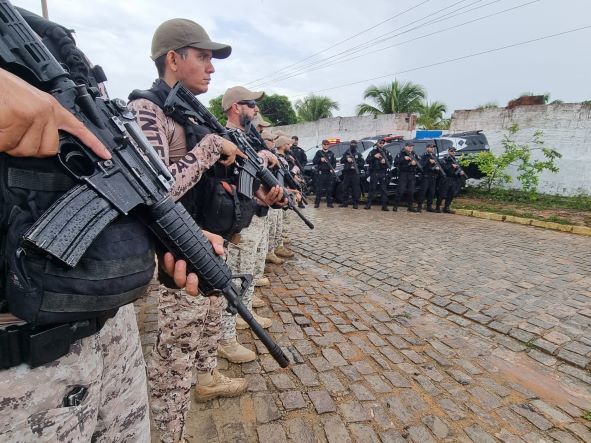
108,364
188,335
276,228
242,259
261,254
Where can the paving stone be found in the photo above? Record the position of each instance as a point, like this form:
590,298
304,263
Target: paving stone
363,433
321,364
306,375
265,408
479,435
334,357
376,339
563,437
413,356
363,367
573,358
427,385
353,411
557,338
542,357
392,355
335,430
420,434
545,345
377,384
331,382
537,420
485,398
437,426
580,431
452,410
551,413
575,372
398,409
322,401
361,392
304,347
292,400
397,379
256,382
299,431
351,373
282,381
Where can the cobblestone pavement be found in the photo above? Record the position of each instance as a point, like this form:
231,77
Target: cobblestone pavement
415,327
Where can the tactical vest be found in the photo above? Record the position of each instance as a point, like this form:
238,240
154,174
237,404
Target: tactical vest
117,267
213,202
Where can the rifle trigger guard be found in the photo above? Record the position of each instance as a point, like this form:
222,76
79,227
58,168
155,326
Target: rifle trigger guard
245,282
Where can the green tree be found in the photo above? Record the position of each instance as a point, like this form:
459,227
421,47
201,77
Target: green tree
278,110
215,107
494,167
395,98
432,116
315,107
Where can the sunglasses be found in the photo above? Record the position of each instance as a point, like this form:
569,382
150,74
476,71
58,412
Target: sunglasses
250,103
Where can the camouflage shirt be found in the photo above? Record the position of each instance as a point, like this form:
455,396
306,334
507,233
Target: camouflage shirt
168,138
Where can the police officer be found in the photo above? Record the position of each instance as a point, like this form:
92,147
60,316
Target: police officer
188,326
452,183
325,162
352,165
240,107
96,390
406,162
380,161
298,153
431,173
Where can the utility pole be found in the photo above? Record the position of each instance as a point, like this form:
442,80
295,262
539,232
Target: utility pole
44,9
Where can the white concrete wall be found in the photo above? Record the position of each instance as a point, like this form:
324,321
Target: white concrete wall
566,128
348,128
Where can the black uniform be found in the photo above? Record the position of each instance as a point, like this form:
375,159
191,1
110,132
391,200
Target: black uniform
351,176
300,156
450,185
379,175
406,177
431,174
324,176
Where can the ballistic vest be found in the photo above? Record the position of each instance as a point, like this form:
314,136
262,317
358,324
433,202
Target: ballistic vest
117,267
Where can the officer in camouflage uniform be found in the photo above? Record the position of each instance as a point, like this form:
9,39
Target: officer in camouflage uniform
240,106
188,326
96,391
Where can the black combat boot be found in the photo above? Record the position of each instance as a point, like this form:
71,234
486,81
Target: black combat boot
447,210
420,208
430,209
385,208
438,209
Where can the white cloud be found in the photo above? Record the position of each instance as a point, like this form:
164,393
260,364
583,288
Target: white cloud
267,35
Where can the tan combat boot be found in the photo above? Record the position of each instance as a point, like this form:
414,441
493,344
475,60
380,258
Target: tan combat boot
210,386
235,352
283,252
286,240
263,281
263,321
273,259
258,302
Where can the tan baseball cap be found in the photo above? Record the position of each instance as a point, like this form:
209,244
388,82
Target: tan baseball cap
268,135
258,120
179,32
239,93
283,140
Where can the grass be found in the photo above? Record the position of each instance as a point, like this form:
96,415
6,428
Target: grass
575,210
581,202
587,415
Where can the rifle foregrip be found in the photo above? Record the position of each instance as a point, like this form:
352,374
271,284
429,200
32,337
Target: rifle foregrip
175,228
71,224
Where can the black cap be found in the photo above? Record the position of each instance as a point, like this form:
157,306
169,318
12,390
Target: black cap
452,148
353,142
381,140
409,144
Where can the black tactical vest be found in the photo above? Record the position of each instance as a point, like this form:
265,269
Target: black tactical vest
213,202
117,267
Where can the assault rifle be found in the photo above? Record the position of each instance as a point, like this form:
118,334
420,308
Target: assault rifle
331,169
354,162
436,166
134,181
183,103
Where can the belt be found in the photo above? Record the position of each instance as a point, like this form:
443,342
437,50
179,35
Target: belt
37,345
235,239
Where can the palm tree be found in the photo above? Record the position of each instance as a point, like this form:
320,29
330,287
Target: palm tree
397,97
431,116
315,107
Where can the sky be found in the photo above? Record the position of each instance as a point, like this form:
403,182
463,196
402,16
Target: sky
272,38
